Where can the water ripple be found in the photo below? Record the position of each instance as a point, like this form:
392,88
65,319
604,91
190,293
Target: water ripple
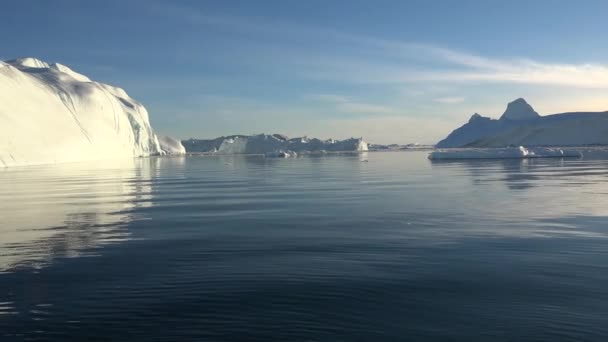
309,249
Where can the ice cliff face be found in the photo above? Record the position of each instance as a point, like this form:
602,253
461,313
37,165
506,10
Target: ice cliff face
50,113
264,144
521,125
170,145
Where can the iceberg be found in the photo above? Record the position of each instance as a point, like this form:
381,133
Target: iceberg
521,125
50,114
270,144
281,154
171,146
504,153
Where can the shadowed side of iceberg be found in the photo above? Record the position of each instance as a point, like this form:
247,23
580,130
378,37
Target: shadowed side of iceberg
270,144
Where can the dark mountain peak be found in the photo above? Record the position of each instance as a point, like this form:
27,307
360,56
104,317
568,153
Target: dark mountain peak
519,110
475,117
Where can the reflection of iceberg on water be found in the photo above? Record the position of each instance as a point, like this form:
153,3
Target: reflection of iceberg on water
67,210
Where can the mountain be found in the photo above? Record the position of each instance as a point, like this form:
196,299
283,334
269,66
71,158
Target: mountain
519,110
50,113
520,125
264,144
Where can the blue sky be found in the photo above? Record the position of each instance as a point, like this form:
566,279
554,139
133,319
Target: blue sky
390,71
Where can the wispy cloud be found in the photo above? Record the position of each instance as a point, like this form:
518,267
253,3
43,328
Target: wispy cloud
383,88
449,100
332,98
515,72
348,105
345,57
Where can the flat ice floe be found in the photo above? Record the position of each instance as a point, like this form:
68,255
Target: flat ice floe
505,153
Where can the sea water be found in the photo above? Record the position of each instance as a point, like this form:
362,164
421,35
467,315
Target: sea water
362,247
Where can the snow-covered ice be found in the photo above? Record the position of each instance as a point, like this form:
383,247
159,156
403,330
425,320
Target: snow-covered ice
504,153
271,144
281,154
50,113
170,145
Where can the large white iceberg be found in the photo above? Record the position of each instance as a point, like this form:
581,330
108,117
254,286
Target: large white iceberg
270,144
170,145
50,113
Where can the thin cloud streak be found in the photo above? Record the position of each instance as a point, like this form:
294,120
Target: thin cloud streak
369,66
300,55
346,104
592,76
449,100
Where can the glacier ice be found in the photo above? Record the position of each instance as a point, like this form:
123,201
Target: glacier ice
169,145
50,113
280,154
504,153
271,144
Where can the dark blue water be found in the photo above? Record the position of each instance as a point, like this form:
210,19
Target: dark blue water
333,248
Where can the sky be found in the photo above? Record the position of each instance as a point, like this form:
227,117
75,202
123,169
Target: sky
387,71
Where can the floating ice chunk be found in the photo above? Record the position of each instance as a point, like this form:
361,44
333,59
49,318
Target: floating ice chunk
264,143
504,153
281,154
171,146
543,152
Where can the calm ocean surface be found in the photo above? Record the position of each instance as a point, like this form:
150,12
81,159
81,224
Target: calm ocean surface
371,247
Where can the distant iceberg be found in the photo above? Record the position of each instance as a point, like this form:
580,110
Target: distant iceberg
281,154
504,153
271,144
170,146
50,114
